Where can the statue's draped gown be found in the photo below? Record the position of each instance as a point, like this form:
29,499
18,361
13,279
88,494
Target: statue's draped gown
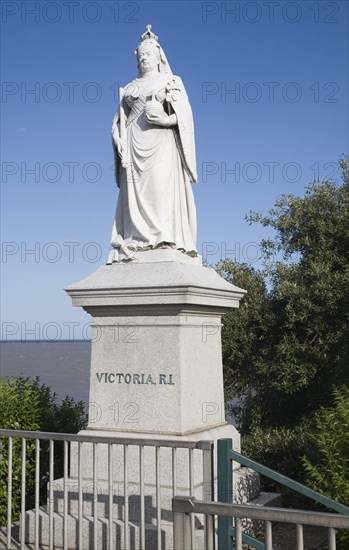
156,204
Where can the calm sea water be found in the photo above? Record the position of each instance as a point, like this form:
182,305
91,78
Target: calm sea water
64,366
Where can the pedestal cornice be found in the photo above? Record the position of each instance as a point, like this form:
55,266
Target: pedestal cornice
166,286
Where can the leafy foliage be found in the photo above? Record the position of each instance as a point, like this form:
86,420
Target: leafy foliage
246,341
289,341
327,464
327,461
28,405
19,410
282,450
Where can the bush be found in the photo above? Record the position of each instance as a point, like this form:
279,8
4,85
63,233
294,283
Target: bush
327,464
19,410
281,449
315,453
28,405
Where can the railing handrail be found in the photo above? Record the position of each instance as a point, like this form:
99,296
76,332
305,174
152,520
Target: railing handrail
288,482
204,445
189,505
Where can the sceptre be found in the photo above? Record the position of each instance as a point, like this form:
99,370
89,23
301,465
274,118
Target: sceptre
122,124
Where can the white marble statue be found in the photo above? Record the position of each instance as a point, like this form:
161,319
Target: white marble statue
153,141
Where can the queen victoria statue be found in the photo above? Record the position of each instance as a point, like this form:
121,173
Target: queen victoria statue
153,141
156,364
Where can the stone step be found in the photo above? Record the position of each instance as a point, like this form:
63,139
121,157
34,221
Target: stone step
256,527
273,500
150,504
264,499
246,488
102,532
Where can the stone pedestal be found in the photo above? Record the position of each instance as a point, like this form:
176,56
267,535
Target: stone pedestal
156,368
156,365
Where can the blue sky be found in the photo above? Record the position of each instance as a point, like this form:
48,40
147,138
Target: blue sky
268,85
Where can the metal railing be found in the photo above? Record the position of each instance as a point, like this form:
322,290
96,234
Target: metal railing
225,456
185,507
16,456
289,483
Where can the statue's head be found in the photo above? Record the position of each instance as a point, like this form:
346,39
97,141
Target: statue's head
150,54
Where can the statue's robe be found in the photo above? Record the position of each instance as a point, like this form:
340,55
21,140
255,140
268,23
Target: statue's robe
156,204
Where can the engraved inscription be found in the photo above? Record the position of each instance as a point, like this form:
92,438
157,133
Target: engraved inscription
134,378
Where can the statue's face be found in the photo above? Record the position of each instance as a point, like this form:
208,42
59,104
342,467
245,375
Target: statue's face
148,58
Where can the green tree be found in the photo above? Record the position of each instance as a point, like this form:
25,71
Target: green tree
289,342
245,341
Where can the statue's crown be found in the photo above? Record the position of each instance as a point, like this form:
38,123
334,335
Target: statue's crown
148,34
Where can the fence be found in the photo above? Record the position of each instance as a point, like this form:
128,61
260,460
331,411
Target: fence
226,530
185,507
169,460
30,461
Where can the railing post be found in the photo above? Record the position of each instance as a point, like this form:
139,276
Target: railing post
9,492
182,508
225,491
208,495
181,531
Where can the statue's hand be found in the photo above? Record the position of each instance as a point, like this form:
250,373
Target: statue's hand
121,148
159,120
118,142
164,120
156,114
